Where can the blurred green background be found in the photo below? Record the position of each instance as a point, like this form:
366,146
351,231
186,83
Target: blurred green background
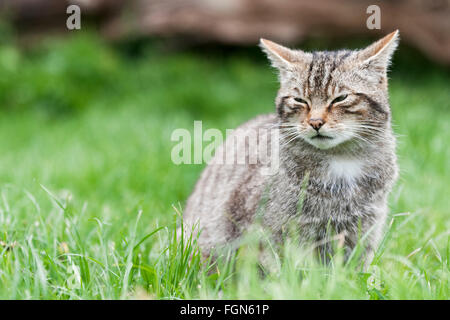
85,145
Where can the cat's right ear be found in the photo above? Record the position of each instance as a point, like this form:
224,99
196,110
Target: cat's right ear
281,57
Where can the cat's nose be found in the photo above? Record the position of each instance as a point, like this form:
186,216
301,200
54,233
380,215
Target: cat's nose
316,123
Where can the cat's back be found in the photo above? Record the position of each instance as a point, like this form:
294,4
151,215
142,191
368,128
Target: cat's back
231,179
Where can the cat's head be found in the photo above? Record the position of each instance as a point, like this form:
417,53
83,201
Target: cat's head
328,98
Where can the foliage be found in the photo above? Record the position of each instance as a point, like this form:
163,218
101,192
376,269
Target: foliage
89,195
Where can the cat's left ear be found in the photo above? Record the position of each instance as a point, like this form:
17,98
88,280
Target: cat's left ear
378,55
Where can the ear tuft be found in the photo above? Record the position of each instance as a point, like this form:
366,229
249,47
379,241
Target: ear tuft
379,54
280,57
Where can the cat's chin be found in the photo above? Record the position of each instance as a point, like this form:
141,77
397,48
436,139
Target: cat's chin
324,143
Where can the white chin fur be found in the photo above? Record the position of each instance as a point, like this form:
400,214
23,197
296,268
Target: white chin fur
325,143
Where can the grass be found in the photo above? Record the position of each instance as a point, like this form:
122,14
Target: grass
89,198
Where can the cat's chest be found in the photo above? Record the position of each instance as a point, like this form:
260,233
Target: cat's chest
334,189
336,192
337,178
342,170
334,181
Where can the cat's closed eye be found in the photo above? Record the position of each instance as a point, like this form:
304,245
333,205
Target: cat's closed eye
339,99
300,100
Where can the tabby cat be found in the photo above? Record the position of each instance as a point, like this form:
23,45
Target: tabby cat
336,153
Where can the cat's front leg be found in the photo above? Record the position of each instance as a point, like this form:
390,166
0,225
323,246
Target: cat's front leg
362,241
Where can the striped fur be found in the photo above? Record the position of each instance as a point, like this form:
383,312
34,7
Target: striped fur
349,170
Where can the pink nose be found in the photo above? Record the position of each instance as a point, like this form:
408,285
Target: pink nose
316,123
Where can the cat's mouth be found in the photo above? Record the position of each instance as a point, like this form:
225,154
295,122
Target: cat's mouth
321,137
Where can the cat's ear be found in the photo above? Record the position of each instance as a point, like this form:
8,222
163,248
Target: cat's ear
378,55
281,57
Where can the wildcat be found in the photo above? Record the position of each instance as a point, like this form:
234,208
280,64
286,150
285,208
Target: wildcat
336,152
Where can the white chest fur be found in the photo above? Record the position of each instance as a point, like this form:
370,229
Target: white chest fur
343,168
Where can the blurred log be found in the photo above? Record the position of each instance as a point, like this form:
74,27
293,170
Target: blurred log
424,24
40,16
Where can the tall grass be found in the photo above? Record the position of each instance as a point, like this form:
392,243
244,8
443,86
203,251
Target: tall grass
90,200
